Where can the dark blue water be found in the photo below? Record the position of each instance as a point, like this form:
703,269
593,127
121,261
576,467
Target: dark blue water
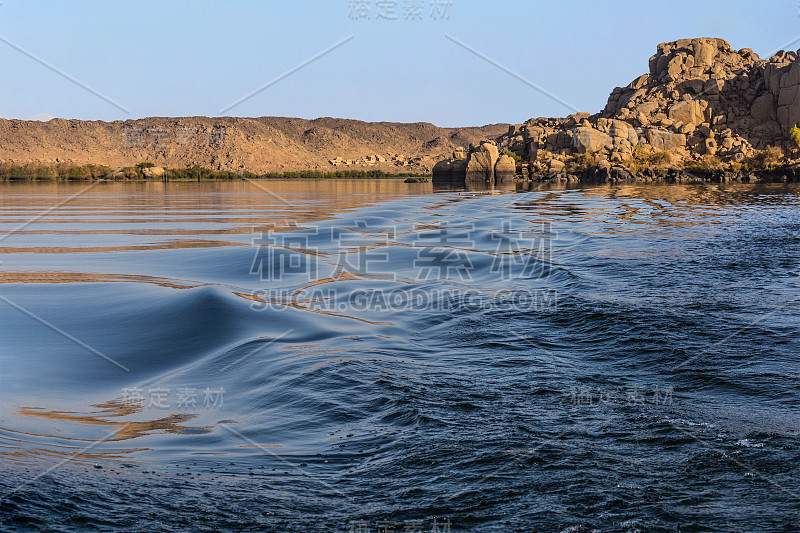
373,356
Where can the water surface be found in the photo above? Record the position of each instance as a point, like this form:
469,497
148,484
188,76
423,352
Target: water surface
360,355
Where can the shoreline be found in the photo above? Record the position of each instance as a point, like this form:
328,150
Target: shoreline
148,172
589,177
211,180
789,173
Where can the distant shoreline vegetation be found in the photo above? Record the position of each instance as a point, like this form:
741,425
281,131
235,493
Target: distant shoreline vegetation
149,172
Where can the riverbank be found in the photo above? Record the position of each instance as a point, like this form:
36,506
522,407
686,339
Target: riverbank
150,172
763,166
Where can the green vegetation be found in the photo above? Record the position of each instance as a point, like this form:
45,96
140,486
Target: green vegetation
44,173
707,163
580,163
794,135
766,159
199,174
61,171
513,155
94,172
317,174
660,159
642,158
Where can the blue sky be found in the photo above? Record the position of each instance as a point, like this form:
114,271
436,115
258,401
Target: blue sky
187,58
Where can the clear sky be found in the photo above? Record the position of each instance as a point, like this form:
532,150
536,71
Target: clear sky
186,58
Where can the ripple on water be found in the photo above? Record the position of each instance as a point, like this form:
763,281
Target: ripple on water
651,386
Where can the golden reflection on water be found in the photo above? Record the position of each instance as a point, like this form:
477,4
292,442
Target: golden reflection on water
176,244
120,430
130,212
196,199
93,277
108,415
196,214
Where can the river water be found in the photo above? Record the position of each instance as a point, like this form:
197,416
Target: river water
379,356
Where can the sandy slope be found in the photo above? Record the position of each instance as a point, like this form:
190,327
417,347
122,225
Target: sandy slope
266,144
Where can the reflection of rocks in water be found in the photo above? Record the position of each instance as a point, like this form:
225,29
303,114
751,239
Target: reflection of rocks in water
531,186
476,187
685,195
691,194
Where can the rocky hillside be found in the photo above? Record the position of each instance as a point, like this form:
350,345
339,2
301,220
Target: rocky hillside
702,109
257,145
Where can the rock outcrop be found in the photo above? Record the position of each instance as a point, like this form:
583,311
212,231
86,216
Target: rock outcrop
702,103
481,165
481,162
504,170
154,172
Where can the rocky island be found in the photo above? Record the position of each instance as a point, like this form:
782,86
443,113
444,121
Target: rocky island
704,111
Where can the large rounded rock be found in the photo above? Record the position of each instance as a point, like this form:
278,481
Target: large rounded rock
443,172
688,112
450,171
153,172
662,140
589,140
491,147
504,170
677,65
481,162
621,131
